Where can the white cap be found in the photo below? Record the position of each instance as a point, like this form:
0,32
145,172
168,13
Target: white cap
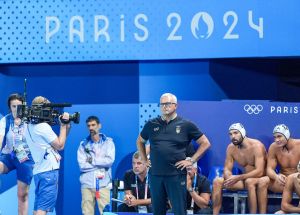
239,127
282,129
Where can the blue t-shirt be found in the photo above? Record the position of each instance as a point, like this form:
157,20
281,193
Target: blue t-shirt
168,143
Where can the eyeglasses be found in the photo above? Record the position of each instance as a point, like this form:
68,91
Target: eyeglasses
167,104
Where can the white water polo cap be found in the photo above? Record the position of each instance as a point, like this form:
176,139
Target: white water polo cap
239,127
282,129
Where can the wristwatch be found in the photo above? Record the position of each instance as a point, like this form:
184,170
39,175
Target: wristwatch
190,159
190,189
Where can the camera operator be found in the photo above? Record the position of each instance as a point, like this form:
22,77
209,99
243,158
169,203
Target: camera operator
44,143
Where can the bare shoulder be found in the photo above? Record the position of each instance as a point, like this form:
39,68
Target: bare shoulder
230,149
297,142
257,145
272,148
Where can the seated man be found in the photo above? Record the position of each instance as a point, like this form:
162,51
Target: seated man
198,197
285,152
292,184
136,185
250,154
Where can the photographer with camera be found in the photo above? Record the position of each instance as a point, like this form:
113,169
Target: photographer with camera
44,145
15,153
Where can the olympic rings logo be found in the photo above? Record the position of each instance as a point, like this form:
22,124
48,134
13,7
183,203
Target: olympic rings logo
253,109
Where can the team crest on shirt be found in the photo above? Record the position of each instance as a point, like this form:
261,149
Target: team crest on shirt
178,129
156,129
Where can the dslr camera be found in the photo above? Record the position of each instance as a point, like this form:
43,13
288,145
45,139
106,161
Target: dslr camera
49,113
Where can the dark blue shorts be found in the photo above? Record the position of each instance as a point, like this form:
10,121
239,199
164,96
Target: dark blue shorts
24,170
46,188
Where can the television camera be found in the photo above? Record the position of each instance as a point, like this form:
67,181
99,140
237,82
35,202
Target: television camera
49,113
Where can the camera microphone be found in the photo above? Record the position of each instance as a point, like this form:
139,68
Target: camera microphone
57,105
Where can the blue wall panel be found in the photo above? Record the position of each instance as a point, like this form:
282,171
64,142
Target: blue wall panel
187,80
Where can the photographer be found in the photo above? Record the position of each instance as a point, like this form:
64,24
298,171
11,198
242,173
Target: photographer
44,143
15,153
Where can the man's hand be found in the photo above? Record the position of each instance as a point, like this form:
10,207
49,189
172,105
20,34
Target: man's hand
231,180
281,179
183,164
64,118
130,200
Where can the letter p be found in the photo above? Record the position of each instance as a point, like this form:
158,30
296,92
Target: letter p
50,33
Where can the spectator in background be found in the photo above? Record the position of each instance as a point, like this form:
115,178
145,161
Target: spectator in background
95,156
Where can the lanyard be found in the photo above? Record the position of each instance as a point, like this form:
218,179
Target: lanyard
16,130
194,188
136,187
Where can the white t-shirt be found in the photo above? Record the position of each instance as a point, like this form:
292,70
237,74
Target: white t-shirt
39,138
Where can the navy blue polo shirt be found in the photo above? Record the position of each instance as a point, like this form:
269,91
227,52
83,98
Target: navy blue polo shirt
168,143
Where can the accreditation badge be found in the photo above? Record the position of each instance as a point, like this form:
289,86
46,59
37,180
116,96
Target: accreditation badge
142,209
178,129
21,153
189,211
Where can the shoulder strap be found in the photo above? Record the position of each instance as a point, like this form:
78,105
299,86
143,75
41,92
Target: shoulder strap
7,121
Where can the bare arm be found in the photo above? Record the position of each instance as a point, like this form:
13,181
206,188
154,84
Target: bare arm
204,144
202,199
228,164
271,164
140,143
286,205
59,143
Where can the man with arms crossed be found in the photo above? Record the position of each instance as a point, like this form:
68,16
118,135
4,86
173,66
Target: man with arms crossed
250,154
95,156
169,136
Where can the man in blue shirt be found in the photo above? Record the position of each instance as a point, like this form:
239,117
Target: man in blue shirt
15,153
95,156
169,136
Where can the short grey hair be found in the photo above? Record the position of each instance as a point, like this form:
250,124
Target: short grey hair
136,155
170,95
